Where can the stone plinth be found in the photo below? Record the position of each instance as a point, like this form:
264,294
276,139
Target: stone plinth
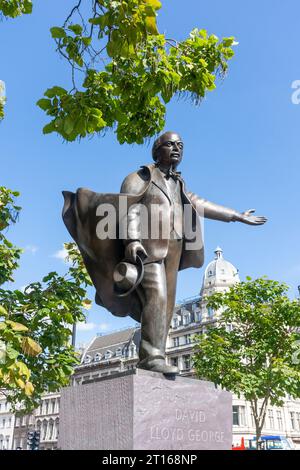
145,410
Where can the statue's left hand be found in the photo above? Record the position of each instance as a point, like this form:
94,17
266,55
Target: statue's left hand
248,218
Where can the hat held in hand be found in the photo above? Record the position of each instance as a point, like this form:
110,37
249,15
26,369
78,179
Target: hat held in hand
127,276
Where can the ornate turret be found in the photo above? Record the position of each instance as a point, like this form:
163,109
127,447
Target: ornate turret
219,275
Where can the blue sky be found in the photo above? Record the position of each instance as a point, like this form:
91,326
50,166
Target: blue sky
241,144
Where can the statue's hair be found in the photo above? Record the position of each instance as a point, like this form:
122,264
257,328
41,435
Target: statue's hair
157,144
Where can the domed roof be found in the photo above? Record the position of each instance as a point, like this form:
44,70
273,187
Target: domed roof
219,274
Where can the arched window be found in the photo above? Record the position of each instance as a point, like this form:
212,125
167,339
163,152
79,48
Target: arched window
186,318
210,312
56,427
87,359
97,357
132,350
44,430
50,433
108,355
119,352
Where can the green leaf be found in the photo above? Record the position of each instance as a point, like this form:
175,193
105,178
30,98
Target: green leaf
151,25
55,91
44,104
15,326
11,352
48,128
3,311
57,33
68,125
76,28
156,4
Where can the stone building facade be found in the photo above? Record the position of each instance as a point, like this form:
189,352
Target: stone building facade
7,421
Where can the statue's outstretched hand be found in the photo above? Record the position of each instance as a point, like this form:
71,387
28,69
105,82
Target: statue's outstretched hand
248,218
133,249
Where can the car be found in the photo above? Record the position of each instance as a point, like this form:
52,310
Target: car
269,442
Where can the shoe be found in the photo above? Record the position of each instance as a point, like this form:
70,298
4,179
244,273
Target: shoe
158,365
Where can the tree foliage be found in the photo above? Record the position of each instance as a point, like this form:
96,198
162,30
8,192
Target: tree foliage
124,71
259,357
35,351
130,71
14,8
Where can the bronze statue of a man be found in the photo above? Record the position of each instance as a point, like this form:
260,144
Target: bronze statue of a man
161,187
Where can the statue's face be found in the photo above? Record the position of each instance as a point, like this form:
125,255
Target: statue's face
170,150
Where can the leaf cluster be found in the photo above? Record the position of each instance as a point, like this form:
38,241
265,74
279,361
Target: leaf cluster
131,71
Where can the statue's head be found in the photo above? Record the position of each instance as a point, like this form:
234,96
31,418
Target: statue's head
167,150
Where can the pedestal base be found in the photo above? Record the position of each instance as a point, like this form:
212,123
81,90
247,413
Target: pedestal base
145,410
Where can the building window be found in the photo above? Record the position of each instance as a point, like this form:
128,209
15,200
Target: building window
186,362
174,361
176,342
97,357
210,312
298,420
271,419
293,424
186,318
119,352
198,316
175,322
132,350
188,339
239,415
279,420
87,359
44,430
235,415
210,273
107,355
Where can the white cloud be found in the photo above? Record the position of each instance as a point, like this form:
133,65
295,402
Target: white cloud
31,248
103,327
86,326
61,254
89,326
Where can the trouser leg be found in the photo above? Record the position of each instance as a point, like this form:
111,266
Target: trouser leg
171,262
159,289
154,312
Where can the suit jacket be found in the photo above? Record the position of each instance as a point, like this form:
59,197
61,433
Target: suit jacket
149,184
100,256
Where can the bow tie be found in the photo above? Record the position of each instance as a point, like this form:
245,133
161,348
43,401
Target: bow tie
173,174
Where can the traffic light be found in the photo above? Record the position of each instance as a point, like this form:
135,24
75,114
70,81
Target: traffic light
33,440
